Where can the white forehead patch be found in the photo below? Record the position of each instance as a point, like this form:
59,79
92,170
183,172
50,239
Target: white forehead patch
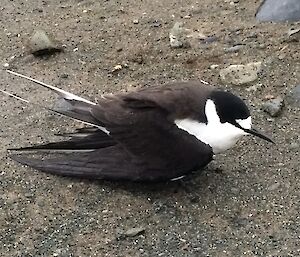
246,123
211,112
220,136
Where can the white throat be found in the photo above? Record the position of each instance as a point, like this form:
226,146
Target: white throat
220,136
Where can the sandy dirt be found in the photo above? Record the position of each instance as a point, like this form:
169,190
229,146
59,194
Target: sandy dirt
245,203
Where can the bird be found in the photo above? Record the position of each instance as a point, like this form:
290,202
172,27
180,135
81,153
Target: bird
155,133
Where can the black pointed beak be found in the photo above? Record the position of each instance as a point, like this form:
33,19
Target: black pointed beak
257,133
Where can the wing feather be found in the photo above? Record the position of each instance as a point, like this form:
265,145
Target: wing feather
139,139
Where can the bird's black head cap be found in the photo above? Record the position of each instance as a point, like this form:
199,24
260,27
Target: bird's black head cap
229,107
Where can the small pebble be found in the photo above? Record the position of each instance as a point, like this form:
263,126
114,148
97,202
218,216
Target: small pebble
269,97
155,24
293,31
274,186
234,49
294,146
209,39
261,46
121,234
177,36
282,56
41,44
293,97
64,76
213,66
254,88
274,106
252,35
117,68
134,231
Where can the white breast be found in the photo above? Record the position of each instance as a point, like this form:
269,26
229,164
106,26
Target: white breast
220,136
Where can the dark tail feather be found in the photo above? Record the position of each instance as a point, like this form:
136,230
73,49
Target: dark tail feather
67,166
94,141
79,132
108,163
77,110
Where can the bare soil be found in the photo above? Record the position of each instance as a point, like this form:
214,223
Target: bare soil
246,203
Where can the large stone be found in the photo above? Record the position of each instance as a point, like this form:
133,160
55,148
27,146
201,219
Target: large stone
279,10
240,74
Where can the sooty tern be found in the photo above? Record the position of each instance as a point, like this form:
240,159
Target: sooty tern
155,133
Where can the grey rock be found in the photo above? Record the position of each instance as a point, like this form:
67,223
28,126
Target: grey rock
279,10
293,97
294,146
130,232
292,35
234,49
177,36
64,76
274,106
261,46
213,66
293,31
181,37
41,43
155,23
254,88
209,40
274,186
134,231
240,74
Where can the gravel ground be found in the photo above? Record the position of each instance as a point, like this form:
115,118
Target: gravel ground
246,203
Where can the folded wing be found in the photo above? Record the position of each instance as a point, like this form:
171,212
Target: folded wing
135,138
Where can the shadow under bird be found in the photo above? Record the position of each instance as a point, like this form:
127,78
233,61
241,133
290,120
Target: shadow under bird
156,133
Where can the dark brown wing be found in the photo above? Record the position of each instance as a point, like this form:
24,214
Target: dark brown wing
179,99
148,145
144,126
111,163
146,151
